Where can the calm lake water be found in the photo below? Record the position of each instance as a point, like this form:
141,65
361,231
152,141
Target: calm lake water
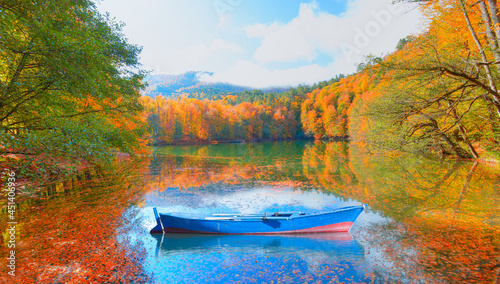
427,221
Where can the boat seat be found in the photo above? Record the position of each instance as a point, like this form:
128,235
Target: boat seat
277,214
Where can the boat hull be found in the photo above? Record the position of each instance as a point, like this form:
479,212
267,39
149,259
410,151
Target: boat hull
340,220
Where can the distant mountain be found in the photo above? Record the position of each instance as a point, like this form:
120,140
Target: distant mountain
172,86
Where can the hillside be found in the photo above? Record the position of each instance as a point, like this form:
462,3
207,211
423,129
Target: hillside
172,86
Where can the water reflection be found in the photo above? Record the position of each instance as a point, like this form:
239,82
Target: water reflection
259,259
430,221
334,244
246,200
419,204
68,233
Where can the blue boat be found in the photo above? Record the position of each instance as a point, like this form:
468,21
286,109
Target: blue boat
339,220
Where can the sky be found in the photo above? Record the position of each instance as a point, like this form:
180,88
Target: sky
262,43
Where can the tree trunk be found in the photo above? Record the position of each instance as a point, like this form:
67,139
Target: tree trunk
491,82
459,152
463,132
489,28
495,19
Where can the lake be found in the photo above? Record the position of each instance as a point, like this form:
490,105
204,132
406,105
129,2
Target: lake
427,221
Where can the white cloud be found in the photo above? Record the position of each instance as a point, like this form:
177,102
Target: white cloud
285,45
261,30
193,35
249,73
198,53
369,26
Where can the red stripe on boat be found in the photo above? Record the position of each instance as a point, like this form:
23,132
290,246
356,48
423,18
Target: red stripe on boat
339,227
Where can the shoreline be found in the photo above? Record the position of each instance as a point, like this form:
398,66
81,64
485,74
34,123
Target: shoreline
44,169
242,141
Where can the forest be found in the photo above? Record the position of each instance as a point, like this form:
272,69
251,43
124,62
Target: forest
436,94
71,93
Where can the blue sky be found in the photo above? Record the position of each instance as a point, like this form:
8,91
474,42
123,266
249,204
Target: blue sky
262,43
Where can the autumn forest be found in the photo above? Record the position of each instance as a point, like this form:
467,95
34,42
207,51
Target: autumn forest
436,94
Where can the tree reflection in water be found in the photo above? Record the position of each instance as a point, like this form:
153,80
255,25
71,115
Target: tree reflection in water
429,221
68,233
441,221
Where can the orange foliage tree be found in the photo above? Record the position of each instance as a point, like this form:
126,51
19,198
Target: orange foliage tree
186,120
442,85
325,112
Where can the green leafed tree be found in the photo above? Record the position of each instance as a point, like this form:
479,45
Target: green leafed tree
69,81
